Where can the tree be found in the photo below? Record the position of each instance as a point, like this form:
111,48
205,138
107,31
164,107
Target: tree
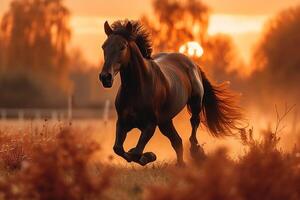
1,53
177,22
277,57
220,59
35,34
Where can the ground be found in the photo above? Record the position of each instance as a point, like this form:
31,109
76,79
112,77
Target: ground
62,160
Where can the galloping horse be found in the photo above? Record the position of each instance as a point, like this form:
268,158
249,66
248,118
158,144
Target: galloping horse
154,89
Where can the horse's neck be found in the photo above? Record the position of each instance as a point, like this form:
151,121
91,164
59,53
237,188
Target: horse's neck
134,75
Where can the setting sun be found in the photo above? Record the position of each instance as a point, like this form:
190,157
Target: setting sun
192,49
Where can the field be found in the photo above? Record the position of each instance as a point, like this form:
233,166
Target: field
61,160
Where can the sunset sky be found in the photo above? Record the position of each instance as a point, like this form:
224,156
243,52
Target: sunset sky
242,19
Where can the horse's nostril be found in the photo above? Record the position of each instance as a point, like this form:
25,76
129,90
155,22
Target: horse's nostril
105,77
109,77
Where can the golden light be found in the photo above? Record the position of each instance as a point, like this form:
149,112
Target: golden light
192,49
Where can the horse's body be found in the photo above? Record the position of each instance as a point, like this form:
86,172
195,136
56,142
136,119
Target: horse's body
163,81
183,81
155,89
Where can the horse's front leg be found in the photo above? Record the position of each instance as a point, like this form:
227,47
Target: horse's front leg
121,133
136,153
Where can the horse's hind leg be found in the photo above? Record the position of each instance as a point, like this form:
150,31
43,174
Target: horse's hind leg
170,132
195,108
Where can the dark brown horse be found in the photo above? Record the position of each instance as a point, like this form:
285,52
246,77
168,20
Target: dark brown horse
154,89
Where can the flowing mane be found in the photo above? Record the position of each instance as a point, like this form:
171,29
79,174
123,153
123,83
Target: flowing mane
139,35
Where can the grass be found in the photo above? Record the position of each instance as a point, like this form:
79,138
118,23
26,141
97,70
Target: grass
132,182
52,168
263,172
58,163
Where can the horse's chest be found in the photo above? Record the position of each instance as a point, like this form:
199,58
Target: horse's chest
130,113
135,114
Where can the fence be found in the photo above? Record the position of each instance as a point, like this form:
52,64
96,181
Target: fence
57,114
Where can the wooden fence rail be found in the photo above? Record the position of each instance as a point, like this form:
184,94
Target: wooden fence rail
56,114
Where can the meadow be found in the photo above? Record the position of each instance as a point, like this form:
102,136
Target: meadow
62,160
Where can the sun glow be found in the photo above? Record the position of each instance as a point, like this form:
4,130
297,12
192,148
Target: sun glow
192,49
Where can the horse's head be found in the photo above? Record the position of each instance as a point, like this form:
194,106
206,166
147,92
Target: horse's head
116,54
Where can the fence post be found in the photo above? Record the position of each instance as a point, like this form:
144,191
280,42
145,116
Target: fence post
37,115
21,115
106,112
3,114
70,109
54,115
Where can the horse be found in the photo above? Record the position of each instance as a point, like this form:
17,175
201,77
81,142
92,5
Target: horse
155,88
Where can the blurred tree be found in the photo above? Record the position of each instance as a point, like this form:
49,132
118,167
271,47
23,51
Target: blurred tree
221,60
277,57
35,34
176,22
1,53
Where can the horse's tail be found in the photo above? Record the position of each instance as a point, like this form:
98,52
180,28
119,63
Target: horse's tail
222,115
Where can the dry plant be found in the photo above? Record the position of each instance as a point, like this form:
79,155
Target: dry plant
270,138
17,146
263,172
57,169
256,175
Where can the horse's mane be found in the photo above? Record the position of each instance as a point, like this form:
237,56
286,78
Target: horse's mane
139,35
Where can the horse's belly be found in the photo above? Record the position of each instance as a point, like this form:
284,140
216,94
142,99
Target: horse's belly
177,102
179,94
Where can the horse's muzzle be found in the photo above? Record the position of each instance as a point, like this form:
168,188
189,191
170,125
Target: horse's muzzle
106,79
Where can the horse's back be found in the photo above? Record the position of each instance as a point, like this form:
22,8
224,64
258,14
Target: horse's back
176,60
174,67
175,64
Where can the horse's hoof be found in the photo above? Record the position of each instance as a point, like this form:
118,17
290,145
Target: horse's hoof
134,155
127,157
147,158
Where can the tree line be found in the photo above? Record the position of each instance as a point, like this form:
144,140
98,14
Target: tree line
33,56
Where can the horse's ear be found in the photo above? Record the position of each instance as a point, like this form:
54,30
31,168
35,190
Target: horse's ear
129,27
107,29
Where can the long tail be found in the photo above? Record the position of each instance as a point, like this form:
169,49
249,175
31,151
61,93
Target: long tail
220,110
